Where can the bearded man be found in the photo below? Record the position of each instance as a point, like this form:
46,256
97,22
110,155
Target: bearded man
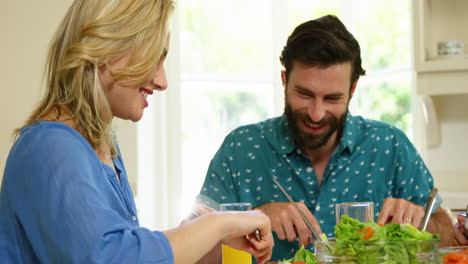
320,153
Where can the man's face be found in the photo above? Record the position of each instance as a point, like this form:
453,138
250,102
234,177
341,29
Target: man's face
317,103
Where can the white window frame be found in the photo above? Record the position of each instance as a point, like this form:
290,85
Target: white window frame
160,145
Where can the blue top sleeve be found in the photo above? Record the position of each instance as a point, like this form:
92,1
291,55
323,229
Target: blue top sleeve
63,205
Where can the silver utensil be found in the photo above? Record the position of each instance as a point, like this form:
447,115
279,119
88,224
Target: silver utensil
318,236
429,205
257,235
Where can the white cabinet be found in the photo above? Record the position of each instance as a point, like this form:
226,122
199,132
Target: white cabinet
442,85
435,21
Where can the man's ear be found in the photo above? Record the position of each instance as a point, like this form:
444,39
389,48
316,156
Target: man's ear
353,88
283,78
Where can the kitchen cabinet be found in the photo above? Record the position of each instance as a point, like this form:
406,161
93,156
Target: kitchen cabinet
441,87
435,21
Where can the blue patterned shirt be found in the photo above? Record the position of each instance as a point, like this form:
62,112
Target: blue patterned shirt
373,161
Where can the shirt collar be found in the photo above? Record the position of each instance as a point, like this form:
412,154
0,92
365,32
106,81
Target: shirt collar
277,133
349,136
282,140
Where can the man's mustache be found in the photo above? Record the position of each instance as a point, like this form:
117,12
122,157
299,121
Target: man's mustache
307,119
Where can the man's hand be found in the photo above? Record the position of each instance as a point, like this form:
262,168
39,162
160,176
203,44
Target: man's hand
287,222
400,211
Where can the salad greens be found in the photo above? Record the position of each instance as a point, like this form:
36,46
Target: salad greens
302,254
371,243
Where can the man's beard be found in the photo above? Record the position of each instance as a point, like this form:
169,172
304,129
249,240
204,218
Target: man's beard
308,141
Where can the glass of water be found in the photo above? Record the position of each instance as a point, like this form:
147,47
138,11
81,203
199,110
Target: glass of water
362,211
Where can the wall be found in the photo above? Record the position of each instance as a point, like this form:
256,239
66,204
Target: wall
447,161
26,28
442,84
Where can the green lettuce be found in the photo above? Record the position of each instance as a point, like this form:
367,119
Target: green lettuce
305,255
365,242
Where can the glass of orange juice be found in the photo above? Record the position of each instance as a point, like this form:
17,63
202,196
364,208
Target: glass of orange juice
231,255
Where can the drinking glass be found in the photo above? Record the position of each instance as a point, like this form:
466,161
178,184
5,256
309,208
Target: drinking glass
231,255
362,211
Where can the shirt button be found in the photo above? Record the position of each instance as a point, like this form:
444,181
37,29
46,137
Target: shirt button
133,218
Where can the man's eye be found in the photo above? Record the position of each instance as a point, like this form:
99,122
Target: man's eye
303,93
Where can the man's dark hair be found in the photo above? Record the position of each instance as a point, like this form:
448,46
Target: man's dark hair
322,42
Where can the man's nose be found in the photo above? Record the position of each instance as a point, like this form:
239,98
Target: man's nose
316,111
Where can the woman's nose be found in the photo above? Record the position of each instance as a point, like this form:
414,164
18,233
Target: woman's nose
159,79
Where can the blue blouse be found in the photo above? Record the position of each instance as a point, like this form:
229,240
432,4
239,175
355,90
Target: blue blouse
372,162
60,204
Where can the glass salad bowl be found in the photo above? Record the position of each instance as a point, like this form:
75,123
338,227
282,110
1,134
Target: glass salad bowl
377,252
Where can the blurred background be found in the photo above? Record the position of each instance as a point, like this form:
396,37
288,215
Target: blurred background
223,71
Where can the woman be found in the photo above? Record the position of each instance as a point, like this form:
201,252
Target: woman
65,196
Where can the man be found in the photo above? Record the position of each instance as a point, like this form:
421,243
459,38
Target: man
317,150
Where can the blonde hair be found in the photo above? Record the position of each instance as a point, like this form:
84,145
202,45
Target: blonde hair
94,33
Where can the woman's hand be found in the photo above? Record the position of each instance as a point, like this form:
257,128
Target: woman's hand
197,210
233,228
241,233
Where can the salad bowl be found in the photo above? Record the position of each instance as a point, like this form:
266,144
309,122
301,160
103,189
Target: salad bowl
370,243
377,252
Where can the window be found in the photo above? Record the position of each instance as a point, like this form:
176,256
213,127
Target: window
228,71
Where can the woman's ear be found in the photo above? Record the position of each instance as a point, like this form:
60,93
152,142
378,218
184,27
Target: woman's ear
102,68
104,76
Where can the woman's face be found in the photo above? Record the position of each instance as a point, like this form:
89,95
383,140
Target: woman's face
128,102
